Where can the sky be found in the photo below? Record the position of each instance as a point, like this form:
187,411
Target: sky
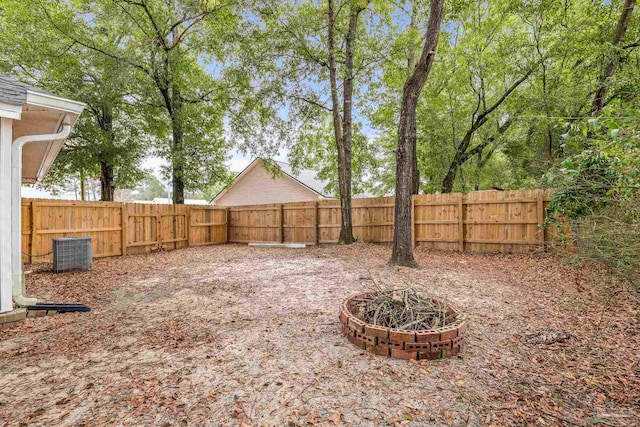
236,162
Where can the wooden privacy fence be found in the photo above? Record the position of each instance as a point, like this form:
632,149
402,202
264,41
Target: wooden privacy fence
119,228
483,221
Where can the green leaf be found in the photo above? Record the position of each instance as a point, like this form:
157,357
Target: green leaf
569,164
614,134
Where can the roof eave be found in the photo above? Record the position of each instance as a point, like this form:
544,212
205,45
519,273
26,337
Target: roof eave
71,111
44,100
10,111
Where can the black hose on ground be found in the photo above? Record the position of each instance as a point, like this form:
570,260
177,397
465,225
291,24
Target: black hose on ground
59,307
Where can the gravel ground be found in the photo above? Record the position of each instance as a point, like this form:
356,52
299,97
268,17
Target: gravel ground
232,335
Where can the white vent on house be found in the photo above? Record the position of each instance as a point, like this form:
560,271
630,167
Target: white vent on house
72,254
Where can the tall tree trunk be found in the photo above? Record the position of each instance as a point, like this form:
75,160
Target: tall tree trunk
450,178
548,141
546,92
623,23
178,168
458,159
175,107
402,251
173,104
107,188
177,155
82,186
411,64
343,128
415,179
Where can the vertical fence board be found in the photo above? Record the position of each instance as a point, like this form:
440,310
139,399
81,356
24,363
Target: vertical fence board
207,225
484,221
116,228
460,216
481,221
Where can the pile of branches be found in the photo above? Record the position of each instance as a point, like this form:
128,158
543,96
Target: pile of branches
401,309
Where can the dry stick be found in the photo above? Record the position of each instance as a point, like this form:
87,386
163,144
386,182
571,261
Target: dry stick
315,380
401,308
561,418
405,326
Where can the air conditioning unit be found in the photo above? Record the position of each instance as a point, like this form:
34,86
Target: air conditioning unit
72,254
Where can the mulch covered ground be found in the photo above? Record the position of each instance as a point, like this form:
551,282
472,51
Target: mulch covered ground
232,335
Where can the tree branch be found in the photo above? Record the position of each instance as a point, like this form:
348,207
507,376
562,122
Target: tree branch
92,46
125,10
480,147
632,45
311,101
483,117
196,19
145,7
625,17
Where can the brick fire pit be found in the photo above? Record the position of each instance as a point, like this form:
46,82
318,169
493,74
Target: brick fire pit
426,344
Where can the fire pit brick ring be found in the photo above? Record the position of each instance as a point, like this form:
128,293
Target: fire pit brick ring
425,344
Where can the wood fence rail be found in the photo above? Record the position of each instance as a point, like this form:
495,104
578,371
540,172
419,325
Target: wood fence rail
119,228
483,221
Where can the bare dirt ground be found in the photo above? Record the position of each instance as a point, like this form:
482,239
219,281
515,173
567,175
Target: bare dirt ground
232,335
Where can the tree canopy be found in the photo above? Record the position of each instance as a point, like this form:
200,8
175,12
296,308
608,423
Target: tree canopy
518,90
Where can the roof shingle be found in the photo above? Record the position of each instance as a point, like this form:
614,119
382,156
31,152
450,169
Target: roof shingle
13,91
306,177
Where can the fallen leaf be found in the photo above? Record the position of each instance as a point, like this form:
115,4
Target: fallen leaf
335,418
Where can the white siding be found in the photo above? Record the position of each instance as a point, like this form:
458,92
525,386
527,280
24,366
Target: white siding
6,138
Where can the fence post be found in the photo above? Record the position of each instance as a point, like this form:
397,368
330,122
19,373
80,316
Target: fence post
33,231
540,219
158,226
188,221
317,222
34,215
124,222
461,223
226,225
413,221
281,223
